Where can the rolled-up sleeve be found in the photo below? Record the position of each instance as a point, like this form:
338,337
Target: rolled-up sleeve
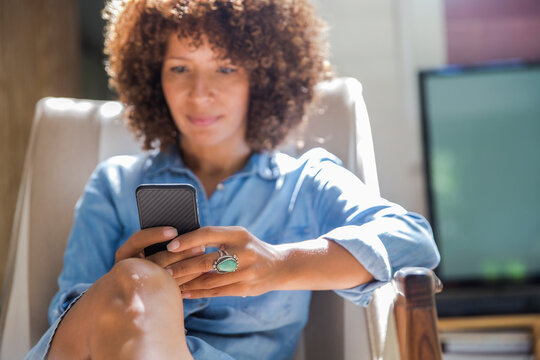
381,235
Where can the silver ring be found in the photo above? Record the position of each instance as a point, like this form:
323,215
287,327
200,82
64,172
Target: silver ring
225,263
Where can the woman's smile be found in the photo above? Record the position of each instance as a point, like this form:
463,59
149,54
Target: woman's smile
202,120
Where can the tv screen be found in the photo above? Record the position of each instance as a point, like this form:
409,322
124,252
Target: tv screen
482,150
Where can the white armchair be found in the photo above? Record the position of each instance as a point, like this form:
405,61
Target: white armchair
69,137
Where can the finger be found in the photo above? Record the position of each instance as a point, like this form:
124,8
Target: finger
236,289
209,236
214,280
198,264
184,279
143,238
166,258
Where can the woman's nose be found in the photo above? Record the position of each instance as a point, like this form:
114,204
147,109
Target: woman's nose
202,88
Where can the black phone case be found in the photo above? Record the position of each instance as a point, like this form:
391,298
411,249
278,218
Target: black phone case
167,205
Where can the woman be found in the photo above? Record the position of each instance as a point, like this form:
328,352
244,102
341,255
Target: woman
214,87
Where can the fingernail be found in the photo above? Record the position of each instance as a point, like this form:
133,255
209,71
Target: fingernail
173,245
170,232
186,294
169,271
199,250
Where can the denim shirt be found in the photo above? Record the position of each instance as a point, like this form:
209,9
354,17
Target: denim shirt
279,199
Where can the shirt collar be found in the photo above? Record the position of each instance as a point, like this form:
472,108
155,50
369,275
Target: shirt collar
263,164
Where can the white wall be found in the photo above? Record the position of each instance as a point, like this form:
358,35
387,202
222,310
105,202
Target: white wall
383,43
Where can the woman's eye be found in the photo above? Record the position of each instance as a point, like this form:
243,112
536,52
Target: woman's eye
178,69
227,70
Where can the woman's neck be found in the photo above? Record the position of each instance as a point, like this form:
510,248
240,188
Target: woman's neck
212,165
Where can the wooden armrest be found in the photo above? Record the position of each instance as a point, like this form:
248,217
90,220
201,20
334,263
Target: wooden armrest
416,315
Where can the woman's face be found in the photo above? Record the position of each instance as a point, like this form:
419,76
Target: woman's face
208,97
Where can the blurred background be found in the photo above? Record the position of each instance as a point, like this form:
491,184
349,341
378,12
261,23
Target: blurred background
54,48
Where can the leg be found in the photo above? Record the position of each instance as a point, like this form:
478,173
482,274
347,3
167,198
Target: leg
133,312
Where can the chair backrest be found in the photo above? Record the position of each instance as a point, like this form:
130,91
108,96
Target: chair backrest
69,137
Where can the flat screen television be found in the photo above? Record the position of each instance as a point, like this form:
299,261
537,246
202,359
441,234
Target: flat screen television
481,132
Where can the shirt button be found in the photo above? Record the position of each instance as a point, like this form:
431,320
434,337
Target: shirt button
220,186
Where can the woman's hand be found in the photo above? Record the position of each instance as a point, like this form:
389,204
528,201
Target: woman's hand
261,268
260,265
134,247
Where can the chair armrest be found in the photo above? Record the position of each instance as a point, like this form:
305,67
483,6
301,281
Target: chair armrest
416,316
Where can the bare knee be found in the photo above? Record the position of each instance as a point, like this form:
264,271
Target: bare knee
133,290
135,300
140,276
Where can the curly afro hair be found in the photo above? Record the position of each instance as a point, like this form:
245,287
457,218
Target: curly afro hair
281,43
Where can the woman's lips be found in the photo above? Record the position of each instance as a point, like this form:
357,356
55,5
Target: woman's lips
203,120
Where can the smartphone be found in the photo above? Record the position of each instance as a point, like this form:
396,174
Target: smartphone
167,205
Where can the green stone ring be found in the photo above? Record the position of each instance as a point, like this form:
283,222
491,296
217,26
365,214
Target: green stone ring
225,263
